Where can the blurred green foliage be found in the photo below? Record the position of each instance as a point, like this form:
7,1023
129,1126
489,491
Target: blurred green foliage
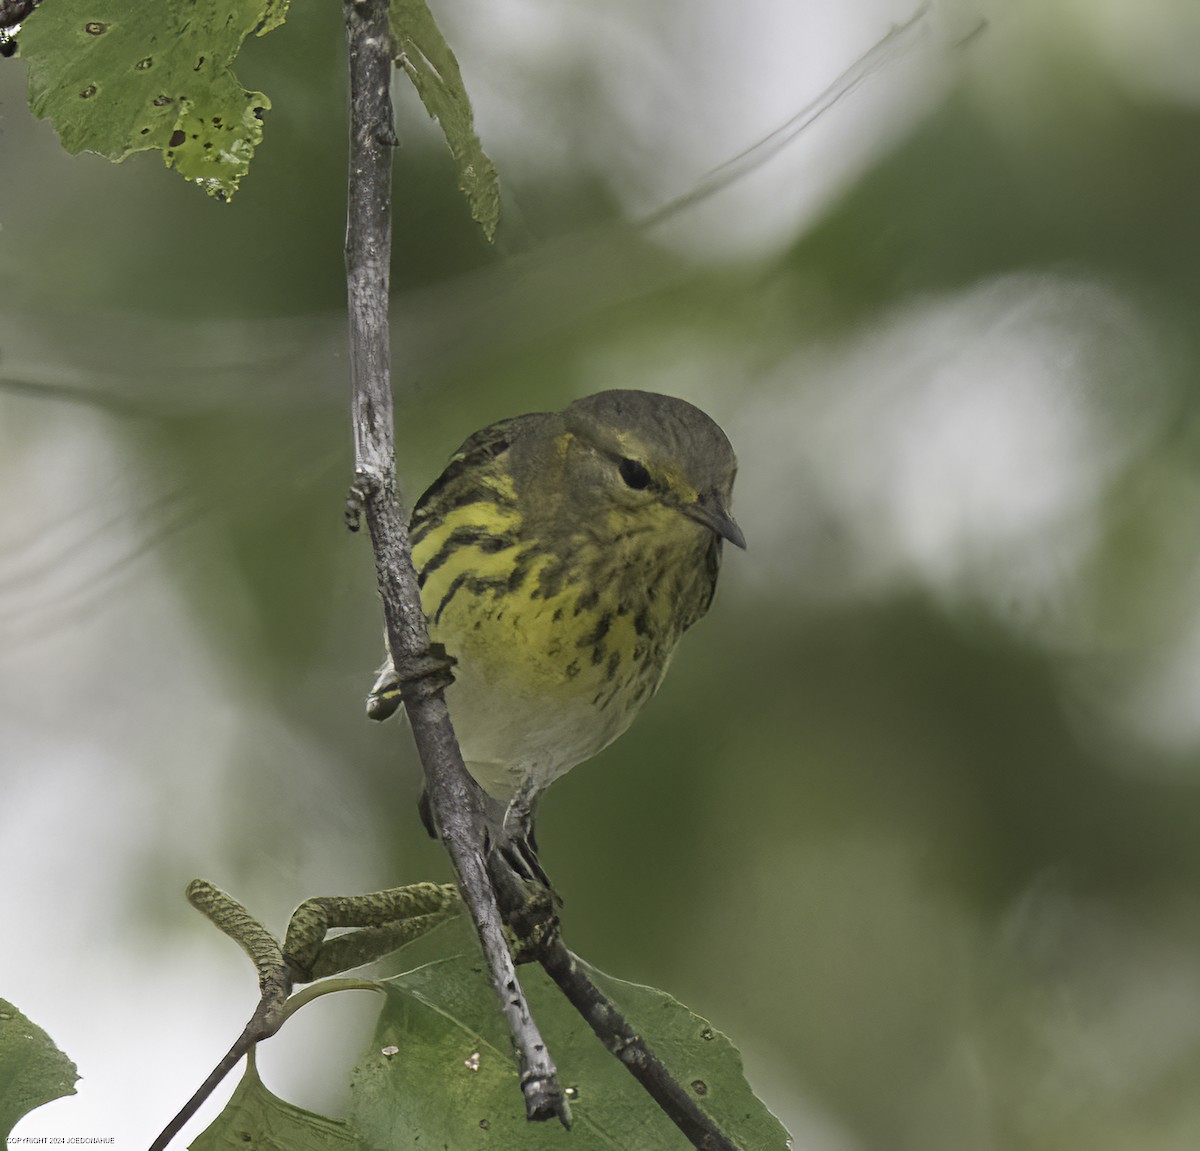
916,816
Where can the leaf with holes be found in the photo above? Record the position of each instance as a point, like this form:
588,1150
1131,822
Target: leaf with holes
439,1072
441,1064
117,78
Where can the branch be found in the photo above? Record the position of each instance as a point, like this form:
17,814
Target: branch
12,12
454,796
614,1031
899,38
274,983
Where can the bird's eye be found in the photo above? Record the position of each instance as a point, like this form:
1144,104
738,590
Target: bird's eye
634,474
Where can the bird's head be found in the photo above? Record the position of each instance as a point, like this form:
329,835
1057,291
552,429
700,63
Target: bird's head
639,462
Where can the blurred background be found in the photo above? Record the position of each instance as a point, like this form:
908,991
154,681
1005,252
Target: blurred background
916,816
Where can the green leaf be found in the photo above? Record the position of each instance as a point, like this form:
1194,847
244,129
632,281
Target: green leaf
118,78
440,1064
256,1118
426,58
32,1070
439,1072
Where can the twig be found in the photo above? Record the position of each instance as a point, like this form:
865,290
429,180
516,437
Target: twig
274,983
380,922
614,1031
897,39
14,11
454,796
243,1046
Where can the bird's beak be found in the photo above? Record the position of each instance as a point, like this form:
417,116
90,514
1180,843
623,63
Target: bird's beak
710,511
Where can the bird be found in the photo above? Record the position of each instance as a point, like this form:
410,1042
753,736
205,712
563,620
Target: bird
560,557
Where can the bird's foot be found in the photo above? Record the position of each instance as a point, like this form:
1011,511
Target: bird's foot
418,677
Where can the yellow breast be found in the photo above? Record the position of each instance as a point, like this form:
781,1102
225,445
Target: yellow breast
554,660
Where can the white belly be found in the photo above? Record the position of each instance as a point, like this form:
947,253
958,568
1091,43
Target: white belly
511,741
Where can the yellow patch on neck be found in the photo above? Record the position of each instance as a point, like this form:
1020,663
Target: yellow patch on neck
667,525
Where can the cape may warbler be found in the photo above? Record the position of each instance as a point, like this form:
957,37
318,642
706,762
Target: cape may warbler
561,555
